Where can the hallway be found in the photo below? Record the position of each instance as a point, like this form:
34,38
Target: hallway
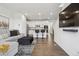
47,48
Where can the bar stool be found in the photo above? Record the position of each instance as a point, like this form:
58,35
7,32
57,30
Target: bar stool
42,31
46,29
47,34
37,31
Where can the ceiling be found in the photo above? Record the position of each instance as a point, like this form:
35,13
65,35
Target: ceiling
35,11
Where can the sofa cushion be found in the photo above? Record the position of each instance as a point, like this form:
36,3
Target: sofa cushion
4,31
3,36
14,38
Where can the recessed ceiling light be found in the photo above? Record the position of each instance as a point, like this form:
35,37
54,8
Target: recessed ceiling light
63,12
39,13
64,21
67,16
61,5
77,11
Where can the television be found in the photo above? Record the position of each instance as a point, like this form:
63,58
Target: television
69,17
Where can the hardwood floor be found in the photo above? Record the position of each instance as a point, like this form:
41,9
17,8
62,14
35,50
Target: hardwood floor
47,48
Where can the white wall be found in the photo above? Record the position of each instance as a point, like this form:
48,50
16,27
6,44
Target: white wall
18,22
69,41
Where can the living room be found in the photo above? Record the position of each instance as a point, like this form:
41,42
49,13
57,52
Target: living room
37,29
22,21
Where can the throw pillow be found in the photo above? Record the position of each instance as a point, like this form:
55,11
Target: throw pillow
4,48
4,36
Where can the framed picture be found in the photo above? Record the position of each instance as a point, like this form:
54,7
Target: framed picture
4,22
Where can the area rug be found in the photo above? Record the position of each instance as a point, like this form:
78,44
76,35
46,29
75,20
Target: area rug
25,50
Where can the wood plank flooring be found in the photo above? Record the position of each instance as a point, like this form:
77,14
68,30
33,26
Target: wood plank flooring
47,48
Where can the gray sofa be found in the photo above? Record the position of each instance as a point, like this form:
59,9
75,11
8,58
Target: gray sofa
15,47
8,37
12,41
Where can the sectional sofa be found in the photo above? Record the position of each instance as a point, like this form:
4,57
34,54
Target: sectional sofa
11,40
